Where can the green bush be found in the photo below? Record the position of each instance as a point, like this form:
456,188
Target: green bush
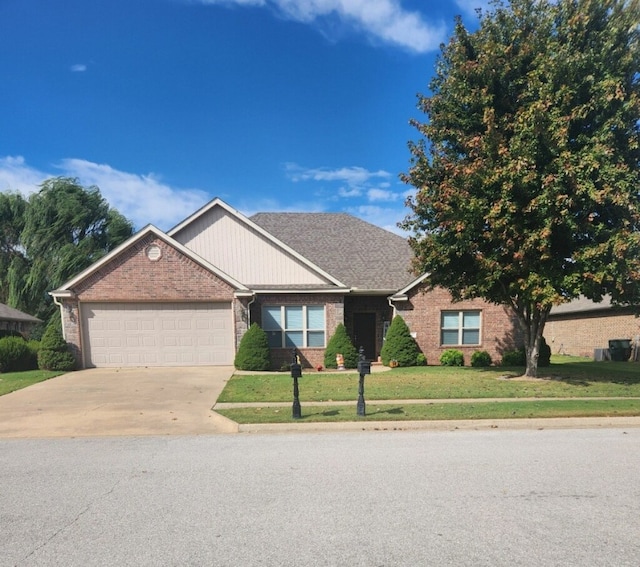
452,357
16,355
340,343
399,345
516,357
253,351
544,357
481,359
54,353
421,359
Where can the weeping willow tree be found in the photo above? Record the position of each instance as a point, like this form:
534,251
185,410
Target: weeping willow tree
51,236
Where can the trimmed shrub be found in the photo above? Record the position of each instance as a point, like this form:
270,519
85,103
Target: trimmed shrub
544,357
399,345
421,359
253,351
340,343
54,353
16,355
452,357
517,357
480,359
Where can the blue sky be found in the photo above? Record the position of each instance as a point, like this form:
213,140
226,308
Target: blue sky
271,105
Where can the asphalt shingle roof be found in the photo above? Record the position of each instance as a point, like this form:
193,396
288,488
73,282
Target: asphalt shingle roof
10,314
357,253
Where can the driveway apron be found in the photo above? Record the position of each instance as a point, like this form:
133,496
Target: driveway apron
118,401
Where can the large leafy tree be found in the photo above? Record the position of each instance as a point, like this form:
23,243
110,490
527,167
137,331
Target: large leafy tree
527,171
49,237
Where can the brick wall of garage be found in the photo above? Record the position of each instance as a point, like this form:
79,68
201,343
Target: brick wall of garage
580,334
422,313
133,277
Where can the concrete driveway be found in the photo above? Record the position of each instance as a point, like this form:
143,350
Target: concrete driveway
118,401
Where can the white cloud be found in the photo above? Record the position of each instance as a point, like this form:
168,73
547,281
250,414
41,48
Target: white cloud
384,20
379,194
80,68
142,199
16,175
352,176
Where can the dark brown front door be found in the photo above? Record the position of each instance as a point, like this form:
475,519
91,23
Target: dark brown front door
364,333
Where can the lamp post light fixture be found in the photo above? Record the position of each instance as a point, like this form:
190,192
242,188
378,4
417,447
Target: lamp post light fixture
364,367
296,372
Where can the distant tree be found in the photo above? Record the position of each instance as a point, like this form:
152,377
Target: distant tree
340,343
527,174
50,237
253,351
399,345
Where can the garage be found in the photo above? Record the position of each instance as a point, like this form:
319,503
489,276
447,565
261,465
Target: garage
157,334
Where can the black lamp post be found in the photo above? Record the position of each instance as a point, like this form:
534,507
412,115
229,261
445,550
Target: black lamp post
364,367
296,372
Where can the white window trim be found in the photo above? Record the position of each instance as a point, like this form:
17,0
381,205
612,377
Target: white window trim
305,330
461,328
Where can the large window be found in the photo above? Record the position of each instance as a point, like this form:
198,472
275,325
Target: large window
289,326
460,328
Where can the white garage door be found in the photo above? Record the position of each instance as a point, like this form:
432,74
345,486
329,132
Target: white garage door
157,334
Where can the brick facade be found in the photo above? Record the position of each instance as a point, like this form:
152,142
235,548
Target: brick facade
423,311
580,334
133,277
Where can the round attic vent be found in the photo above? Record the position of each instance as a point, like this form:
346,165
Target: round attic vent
154,253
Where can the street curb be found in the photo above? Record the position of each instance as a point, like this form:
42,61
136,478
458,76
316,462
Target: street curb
444,425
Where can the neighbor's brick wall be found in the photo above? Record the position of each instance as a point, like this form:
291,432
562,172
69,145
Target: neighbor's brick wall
581,334
309,357
132,277
422,313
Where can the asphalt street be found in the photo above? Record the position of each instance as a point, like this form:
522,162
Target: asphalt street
370,498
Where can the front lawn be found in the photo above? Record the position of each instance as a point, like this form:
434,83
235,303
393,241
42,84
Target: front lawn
567,377
566,381
12,381
438,411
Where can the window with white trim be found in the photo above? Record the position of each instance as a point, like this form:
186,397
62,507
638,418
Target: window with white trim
460,328
289,326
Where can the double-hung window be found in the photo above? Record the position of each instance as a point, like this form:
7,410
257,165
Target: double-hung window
294,326
460,328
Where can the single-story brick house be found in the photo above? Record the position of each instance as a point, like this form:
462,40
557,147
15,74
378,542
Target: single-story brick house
582,327
186,297
14,320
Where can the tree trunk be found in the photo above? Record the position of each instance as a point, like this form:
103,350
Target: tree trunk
532,321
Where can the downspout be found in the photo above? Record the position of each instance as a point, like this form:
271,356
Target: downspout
56,302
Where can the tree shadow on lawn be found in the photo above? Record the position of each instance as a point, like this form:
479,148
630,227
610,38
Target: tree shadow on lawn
336,412
587,373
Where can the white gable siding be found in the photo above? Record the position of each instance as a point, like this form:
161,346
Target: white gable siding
242,252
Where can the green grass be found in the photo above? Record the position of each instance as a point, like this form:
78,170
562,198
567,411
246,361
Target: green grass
12,381
565,380
566,377
439,411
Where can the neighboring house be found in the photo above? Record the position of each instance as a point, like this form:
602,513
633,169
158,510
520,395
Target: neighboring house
13,320
186,297
582,326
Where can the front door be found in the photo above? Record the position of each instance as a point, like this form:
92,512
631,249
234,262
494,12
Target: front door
364,333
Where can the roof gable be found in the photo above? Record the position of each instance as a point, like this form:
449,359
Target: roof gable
64,289
247,251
